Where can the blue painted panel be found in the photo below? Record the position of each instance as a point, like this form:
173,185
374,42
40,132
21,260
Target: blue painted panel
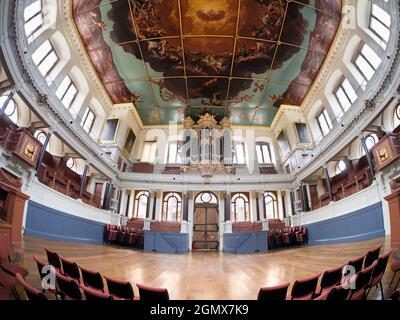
363,224
166,242
48,223
246,242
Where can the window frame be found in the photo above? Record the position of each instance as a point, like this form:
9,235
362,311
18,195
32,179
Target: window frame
62,96
165,206
40,12
178,158
396,116
234,156
325,115
374,16
246,199
154,142
15,110
337,167
138,195
341,86
85,117
261,145
45,57
273,195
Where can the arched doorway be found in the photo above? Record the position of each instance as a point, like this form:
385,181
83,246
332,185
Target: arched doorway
205,222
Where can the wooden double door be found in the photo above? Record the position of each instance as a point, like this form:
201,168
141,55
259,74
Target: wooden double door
205,227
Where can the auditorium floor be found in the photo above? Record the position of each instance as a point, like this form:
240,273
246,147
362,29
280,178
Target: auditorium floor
205,275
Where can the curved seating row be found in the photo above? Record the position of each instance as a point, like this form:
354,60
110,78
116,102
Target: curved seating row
350,281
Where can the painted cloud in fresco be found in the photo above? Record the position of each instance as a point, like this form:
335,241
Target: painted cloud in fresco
241,62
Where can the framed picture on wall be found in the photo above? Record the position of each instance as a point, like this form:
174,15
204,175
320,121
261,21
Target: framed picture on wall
110,129
303,136
283,143
129,141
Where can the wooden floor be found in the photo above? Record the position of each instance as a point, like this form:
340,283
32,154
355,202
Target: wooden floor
205,275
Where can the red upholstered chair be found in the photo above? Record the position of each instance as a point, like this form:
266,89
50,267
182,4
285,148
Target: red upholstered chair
71,269
31,292
357,263
372,255
119,289
53,259
378,272
5,259
338,293
304,289
42,272
95,295
395,266
359,283
92,279
330,278
4,293
8,282
273,293
152,294
67,288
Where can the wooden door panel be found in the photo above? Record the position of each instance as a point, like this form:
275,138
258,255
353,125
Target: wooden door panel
205,228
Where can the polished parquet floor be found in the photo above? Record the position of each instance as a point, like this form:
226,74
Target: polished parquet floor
206,275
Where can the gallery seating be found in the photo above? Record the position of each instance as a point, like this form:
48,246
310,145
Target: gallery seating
372,255
360,283
357,263
395,266
92,279
71,269
53,259
330,279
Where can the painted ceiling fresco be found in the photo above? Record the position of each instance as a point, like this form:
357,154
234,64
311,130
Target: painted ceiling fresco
236,58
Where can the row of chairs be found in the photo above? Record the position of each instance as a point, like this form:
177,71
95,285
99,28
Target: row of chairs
286,237
122,235
350,281
74,282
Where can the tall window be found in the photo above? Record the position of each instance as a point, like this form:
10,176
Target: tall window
396,117
324,122
367,62
172,207
345,95
11,110
149,151
174,153
263,153
88,120
67,92
380,24
45,58
239,153
271,205
33,17
240,207
340,166
141,200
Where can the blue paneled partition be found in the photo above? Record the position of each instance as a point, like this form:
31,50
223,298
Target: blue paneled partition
166,242
48,223
246,242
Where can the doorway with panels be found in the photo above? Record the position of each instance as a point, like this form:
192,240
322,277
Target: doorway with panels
205,222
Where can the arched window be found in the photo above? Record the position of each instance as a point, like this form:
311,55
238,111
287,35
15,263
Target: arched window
141,201
11,109
71,163
240,207
370,141
206,198
41,136
396,117
340,166
271,205
172,207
